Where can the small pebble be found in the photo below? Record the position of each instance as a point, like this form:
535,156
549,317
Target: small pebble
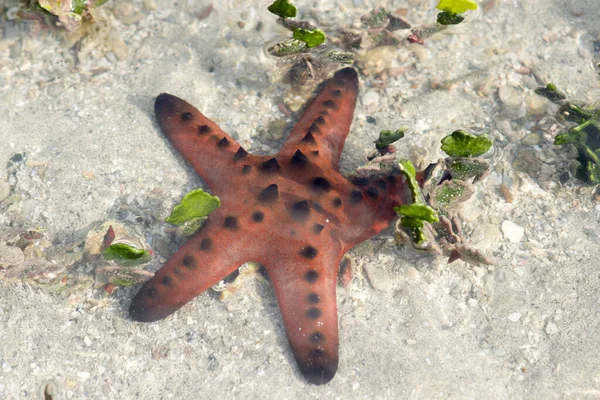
371,100
11,255
512,100
536,105
513,232
551,328
4,190
532,139
277,128
88,174
149,5
378,277
514,317
413,273
83,375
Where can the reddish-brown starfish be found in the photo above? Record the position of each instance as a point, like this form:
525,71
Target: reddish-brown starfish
293,212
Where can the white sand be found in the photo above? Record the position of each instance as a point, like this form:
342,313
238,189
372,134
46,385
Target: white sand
526,328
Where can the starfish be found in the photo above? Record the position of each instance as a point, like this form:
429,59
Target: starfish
293,212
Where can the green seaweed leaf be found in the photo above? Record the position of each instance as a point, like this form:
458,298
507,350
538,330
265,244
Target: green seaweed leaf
344,57
408,170
418,211
467,168
450,193
312,38
415,227
456,6
376,18
388,137
287,47
447,18
414,215
283,9
573,136
126,255
195,204
550,92
575,113
463,144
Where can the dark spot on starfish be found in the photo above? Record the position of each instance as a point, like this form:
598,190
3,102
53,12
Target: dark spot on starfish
329,104
166,280
336,93
258,216
320,120
317,228
337,202
177,271
311,276
373,192
151,291
314,153
320,185
231,223
309,138
269,194
391,179
314,128
271,165
224,142
316,353
189,262
316,337
204,129
186,116
381,184
308,252
360,181
356,196
300,211
313,313
299,159
316,206
206,244
246,169
240,154
325,112
313,298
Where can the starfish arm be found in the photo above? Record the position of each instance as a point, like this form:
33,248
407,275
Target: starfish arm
306,293
199,264
325,123
201,142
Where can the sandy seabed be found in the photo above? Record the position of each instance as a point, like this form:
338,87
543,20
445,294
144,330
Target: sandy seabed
410,326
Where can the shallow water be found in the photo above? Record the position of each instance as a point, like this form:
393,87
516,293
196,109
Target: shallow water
411,326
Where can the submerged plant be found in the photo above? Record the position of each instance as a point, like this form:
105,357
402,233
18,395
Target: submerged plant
428,222
307,55
414,216
125,250
195,204
463,144
452,10
585,136
70,14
